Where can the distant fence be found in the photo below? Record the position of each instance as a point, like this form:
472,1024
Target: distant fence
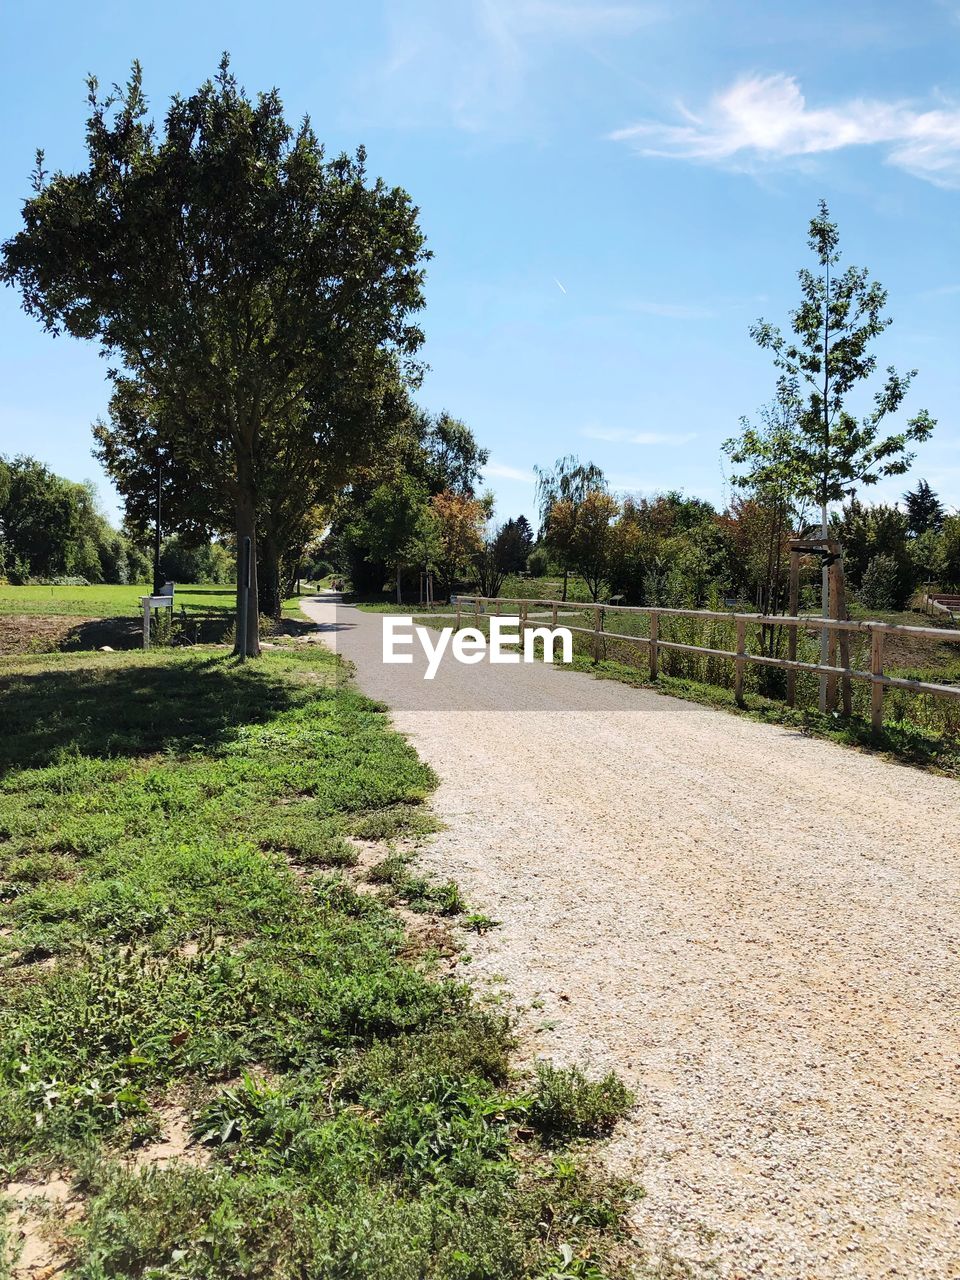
840,631
941,603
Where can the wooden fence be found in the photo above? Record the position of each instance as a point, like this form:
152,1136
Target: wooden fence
942,603
477,606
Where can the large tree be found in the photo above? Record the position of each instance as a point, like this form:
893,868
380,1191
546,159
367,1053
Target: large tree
230,268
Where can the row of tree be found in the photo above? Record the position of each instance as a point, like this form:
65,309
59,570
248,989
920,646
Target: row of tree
673,550
51,528
256,301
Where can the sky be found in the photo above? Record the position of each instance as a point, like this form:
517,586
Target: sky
612,192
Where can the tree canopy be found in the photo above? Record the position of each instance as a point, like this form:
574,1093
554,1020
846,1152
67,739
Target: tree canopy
234,272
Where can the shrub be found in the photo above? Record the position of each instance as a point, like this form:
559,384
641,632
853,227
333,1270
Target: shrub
567,1105
538,563
882,586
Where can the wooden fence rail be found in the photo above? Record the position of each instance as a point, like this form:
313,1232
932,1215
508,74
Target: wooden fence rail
741,656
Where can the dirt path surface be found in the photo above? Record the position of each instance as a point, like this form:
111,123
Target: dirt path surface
758,930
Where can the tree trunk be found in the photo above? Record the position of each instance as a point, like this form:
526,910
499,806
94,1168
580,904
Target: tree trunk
270,586
565,574
247,528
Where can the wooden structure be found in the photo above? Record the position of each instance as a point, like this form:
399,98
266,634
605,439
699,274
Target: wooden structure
840,630
150,604
940,603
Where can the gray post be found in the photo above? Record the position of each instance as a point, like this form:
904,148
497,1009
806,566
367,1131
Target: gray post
146,622
244,598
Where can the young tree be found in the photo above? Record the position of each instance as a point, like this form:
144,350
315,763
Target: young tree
585,529
924,510
827,357
768,508
569,480
230,268
459,535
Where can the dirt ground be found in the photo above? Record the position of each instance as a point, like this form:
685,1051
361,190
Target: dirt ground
32,633
758,930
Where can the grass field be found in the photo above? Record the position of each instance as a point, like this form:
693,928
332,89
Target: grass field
191,955
112,601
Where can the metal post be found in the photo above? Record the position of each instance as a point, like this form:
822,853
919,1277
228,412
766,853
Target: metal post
244,598
157,580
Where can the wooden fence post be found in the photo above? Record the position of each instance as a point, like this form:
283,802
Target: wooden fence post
654,646
476,611
523,617
458,613
792,608
740,663
554,613
838,591
876,688
597,627
146,622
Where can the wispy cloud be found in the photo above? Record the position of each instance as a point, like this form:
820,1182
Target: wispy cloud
613,435
500,471
766,119
469,64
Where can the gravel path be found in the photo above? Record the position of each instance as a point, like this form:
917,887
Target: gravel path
758,930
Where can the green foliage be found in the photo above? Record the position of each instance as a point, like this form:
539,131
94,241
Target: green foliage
260,292
830,451
420,893
878,531
925,511
385,525
207,562
566,1105
51,528
881,585
538,562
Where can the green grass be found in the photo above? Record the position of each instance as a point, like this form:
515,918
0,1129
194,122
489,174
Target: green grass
106,601
179,928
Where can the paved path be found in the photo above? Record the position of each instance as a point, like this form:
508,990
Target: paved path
758,930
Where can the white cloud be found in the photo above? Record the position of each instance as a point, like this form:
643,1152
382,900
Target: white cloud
500,471
618,436
764,119
470,64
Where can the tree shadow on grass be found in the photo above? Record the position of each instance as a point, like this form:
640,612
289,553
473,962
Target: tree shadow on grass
134,709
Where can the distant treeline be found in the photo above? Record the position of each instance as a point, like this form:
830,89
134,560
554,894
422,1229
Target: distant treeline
52,530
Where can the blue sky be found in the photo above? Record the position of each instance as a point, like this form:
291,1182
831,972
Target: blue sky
613,192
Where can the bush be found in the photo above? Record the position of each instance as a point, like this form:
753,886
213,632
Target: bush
567,1105
538,563
883,587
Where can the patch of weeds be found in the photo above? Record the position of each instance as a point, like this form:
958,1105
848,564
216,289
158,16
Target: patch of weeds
420,893
395,823
566,1105
476,922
